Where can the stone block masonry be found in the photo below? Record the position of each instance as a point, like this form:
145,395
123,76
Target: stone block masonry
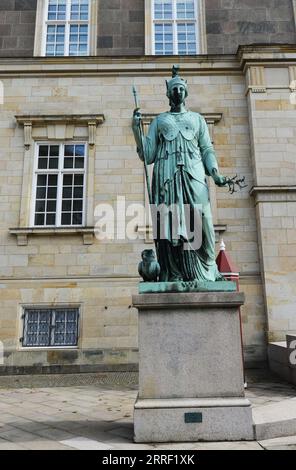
17,27
231,23
121,26
59,269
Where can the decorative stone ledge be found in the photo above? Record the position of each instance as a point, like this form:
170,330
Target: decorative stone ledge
191,300
87,120
23,233
273,194
230,64
80,119
219,230
265,53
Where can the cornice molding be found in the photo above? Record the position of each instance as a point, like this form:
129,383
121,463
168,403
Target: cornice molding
22,233
125,66
273,194
248,55
81,119
233,64
92,121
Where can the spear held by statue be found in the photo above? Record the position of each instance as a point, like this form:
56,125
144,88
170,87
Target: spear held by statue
143,147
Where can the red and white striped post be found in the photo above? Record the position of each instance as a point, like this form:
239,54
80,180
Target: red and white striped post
231,273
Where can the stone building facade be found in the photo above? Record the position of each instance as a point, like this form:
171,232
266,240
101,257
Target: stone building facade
242,79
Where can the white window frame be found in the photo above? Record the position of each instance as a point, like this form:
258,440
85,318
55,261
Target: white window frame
174,21
67,22
60,171
41,29
200,24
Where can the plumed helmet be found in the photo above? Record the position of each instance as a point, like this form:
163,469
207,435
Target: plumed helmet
175,80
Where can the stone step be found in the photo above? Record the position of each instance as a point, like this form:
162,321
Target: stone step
278,351
291,344
279,443
281,357
275,420
278,359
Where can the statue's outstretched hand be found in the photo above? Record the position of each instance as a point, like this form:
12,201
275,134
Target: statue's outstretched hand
219,179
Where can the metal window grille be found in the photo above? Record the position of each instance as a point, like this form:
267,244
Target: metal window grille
67,27
175,27
49,327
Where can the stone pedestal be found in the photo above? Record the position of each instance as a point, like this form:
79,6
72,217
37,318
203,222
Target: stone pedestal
191,385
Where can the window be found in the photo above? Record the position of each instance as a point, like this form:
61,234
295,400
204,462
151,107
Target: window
67,27
44,327
59,185
175,27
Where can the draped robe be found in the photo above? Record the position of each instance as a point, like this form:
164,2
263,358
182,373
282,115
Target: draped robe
180,147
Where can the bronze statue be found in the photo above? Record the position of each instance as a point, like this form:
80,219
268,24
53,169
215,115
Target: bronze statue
179,145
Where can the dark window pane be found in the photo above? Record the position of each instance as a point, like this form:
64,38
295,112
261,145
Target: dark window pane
53,163
79,162
54,151
78,193
50,219
66,218
50,206
79,150
52,193
67,206
77,206
43,150
41,193
52,180
39,219
77,218
68,180
37,327
40,206
42,163
78,180
41,180
69,150
66,327
68,163
67,192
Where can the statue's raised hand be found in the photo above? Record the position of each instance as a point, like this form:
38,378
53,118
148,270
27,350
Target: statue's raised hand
137,117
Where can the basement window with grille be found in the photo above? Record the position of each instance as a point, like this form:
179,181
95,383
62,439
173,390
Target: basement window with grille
50,327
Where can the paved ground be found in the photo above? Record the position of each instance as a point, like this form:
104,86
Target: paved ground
100,417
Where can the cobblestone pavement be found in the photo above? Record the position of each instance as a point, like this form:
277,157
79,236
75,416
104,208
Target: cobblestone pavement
101,417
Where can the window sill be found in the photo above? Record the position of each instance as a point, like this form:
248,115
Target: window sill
22,234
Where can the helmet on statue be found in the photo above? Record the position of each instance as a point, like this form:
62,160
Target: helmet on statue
175,81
